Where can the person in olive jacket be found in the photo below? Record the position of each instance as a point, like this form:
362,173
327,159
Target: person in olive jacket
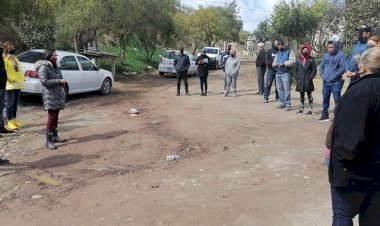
53,94
354,169
305,70
203,62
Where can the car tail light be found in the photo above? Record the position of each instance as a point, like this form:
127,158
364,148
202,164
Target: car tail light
31,74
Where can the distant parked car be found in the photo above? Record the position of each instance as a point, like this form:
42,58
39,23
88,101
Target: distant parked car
79,72
166,63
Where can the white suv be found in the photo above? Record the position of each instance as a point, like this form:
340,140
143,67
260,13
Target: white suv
215,55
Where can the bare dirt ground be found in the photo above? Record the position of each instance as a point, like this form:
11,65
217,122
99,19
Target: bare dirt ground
242,162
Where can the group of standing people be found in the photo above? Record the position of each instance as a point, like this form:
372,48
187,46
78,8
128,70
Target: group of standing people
12,82
231,67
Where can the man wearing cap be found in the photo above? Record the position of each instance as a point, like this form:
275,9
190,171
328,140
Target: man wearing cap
352,70
283,63
261,68
271,72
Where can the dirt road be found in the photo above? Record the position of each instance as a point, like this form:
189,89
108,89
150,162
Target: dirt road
242,162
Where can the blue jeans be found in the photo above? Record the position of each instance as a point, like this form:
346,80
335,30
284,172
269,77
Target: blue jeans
348,202
13,97
283,88
271,76
327,89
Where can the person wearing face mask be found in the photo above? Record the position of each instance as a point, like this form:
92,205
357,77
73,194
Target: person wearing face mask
232,68
355,147
15,83
305,70
203,61
53,95
271,72
364,32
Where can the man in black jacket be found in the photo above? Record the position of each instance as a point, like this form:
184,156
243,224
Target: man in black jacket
3,82
271,72
354,169
181,64
261,68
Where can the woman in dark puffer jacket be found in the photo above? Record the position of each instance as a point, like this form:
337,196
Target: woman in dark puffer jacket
53,94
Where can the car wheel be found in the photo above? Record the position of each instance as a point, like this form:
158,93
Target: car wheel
66,89
161,73
106,87
217,65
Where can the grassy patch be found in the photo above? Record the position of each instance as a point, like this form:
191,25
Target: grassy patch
135,59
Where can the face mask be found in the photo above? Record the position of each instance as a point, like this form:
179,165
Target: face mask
232,55
280,49
12,51
305,54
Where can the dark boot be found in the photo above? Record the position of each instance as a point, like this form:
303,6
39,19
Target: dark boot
49,141
4,130
56,138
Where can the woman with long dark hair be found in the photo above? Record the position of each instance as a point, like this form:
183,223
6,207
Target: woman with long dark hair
53,95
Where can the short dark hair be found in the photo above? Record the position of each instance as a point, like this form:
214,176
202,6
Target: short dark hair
281,42
330,42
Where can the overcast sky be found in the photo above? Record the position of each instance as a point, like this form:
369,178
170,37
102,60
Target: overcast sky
251,11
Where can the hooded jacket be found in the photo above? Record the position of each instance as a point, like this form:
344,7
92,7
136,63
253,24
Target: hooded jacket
358,50
232,67
15,79
305,70
333,65
53,94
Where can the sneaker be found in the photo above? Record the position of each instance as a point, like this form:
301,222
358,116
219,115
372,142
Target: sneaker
300,111
309,113
281,106
177,94
324,118
223,92
288,108
266,100
187,94
202,94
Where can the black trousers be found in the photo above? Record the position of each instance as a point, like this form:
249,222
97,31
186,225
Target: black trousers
182,75
302,100
203,83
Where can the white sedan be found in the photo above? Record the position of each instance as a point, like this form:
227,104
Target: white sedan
79,72
166,63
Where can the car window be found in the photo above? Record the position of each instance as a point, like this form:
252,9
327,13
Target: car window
31,57
170,55
69,63
86,64
211,51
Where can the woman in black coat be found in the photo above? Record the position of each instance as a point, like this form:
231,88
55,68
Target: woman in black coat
203,62
53,94
354,169
305,70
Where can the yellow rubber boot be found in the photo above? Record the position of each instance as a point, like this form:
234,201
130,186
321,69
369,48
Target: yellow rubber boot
11,125
18,124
